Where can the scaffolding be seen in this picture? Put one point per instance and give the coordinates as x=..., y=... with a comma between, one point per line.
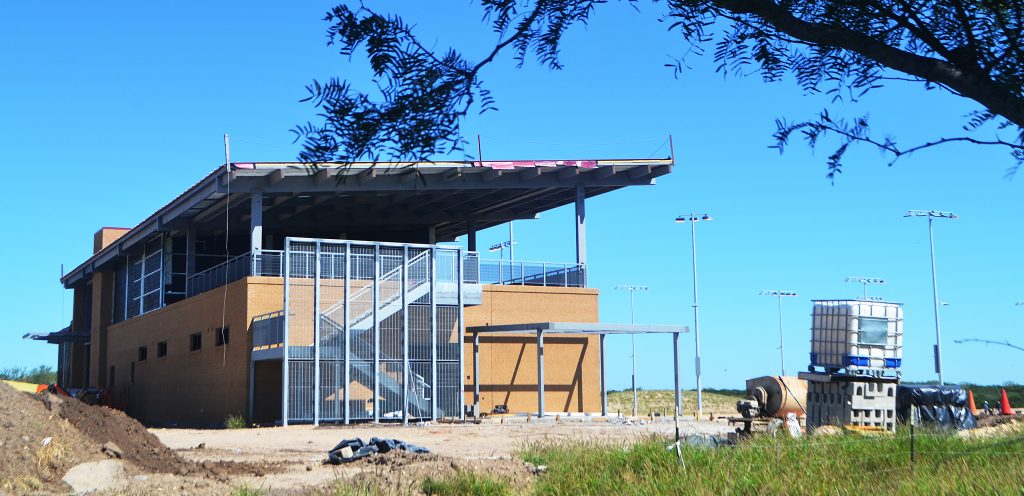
x=373, y=331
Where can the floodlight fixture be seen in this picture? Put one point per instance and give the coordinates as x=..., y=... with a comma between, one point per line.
x=931, y=214
x=693, y=218
x=865, y=281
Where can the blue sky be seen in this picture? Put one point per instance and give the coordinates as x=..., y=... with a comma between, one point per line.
x=109, y=110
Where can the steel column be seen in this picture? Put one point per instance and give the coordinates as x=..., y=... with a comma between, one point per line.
x=316, y=335
x=476, y=374
x=405, y=335
x=284, y=333
x=581, y=226
x=190, y=253
x=462, y=337
x=540, y=373
x=348, y=341
x=675, y=372
x=471, y=234
x=604, y=383
x=255, y=222
x=376, y=333
x=433, y=334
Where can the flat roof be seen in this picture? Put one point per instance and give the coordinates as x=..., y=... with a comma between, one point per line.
x=577, y=328
x=440, y=195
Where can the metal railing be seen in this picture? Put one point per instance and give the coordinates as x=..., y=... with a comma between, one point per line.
x=268, y=329
x=522, y=273
x=261, y=263
x=269, y=263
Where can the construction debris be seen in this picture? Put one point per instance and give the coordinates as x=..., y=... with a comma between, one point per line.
x=351, y=450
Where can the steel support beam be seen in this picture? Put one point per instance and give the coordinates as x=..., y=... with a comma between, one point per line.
x=581, y=226
x=675, y=372
x=604, y=383
x=284, y=333
x=405, y=336
x=471, y=234
x=376, y=334
x=348, y=338
x=316, y=335
x=255, y=222
x=476, y=374
x=540, y=373
x=433, y=334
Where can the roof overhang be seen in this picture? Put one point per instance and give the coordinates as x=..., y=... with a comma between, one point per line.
x=576, y=328
x=445, y=196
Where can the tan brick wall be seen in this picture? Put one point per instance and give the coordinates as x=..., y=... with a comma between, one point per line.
x=508, y=364
x=105, y=236
x=188, y=387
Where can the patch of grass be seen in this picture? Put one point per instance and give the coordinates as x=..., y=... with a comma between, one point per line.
x=662, y=401
x=846, y=464
x=235, y=422
x=248, y=491
x=465, y=483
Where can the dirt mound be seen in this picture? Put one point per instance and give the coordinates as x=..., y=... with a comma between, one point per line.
x=37, y=446
x=103, y=425
x=995, y=426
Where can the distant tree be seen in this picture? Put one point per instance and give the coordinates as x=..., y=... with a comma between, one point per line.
x=841, y=48
x=42, y=374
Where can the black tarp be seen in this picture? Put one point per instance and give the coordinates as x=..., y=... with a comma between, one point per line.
x=944, y=406
x=353, y=449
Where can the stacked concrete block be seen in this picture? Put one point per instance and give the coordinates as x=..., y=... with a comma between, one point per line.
x=856, y=355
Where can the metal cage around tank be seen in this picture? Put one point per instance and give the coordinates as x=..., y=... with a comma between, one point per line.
x=373, y=331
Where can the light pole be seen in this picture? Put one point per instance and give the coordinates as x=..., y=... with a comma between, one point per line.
x=693, y=219
x=782, y=342
x=865, y=281
x=932, y=215
x=632, y=320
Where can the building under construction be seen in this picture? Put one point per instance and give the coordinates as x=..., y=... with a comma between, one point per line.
x=286, y=293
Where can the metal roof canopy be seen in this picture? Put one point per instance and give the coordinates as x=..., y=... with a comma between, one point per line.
x=446, y=196
x=542, y=328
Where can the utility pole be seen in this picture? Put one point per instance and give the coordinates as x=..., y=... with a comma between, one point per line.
x=632, y=320
x=782, y=342
x=693, y=219
x=932, y=215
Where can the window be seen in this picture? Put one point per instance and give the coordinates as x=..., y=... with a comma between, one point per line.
x=195, y=342
x=873, y=330
x=161, y=349
x=221, y=336
x=143, y=279
x=143, y=353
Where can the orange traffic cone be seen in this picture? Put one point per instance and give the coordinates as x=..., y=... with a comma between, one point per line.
x=970, y=403
x=1004, y=405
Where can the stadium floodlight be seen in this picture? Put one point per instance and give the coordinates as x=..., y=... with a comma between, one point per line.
x=932, y=215
x=693, y=219
x=782, y=342
x=632, y=320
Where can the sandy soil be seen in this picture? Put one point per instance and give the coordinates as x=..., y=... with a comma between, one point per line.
x=487, y=447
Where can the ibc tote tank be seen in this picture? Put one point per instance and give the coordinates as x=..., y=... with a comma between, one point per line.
x=857, y=335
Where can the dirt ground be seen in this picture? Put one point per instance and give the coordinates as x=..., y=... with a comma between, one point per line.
x=487, y=447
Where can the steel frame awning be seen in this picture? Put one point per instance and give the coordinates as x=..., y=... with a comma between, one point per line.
x=577, y=328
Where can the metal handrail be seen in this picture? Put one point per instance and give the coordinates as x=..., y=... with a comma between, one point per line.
x=528, y=273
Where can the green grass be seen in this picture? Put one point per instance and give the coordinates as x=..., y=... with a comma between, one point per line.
x=465, y=483
x=850, y=464
x=662, y=401
x=235, y=422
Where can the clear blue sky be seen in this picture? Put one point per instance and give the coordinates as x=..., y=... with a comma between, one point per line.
x=108, y=110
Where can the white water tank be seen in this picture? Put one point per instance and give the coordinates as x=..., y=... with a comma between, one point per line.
x=857, y=335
